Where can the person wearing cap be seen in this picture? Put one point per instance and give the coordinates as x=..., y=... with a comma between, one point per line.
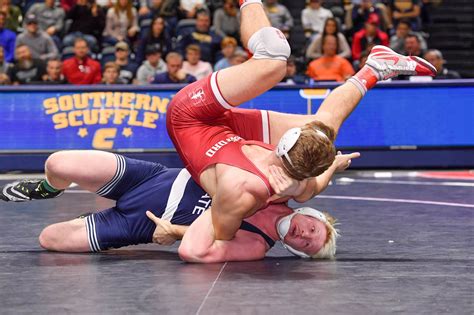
x=50, y=18
x=40, y=43
x=82, y=69
x=128, y=68
x=152, y=66
x=368, y=37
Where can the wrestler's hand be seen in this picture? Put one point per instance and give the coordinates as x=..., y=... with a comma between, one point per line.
x=284, y=185
x=163, y=234
x=343, y=161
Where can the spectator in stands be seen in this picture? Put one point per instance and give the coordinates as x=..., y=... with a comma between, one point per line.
x=128, y=68
x=190, y=8
x=435, y=57
x=40, y=43
x=397, y=41
x=331, y=27
x=292, y=76
x=227, y=20
x=194, y=65
x=167, y=9
x=279, y=16
x=7, y=39
x=88, y=21
x=4, y=68
x=81, y=69
x=54, y=73
x=26, y=69
x=67, y=5
x=175, y=73
x=50, y=18
x=330, y=67
x=228, y=45
x=207, y=39
x=368, y=37
x=152, y=66
x=13, y=15
x=121, y=23
x=313, y=17
x=360, y=15
x=413, y=46
x=111, y=74
x=238, y=57
x=156, y=37
x=406, y=9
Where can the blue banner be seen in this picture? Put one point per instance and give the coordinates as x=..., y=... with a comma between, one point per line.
x=135, y=118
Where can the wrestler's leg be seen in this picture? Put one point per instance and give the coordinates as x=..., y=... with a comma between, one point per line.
x=89, y=169
x=244, y=82
x=70, y=236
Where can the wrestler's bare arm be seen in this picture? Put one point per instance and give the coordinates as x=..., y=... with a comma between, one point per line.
x=231, y=204
x=199, y=244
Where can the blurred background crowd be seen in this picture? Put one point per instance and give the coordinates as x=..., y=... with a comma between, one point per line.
x=180, y=41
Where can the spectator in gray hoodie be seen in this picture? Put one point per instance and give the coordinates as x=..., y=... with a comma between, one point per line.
x=152, y=66
x=40, y=43
x=50, y=18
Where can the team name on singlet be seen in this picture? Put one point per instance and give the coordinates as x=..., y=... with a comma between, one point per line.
x=203, y=204
x=219, y=145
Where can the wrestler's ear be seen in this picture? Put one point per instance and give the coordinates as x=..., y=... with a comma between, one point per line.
x=152, y=217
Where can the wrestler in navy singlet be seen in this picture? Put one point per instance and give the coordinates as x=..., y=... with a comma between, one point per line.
x=139, y=186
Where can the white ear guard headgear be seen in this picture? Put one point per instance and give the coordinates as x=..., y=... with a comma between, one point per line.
x=283, y=226
x=288, y=141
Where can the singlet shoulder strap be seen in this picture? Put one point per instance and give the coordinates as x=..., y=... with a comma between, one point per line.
x=246, y=226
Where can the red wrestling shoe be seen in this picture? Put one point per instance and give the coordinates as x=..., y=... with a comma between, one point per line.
x=388, y=64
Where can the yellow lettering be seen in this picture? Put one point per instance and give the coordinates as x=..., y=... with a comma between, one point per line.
x=109, y=99
x=51, y=105
x=127, y=99
x=60, y=121
x=103, y=138
x=143, y=101
x=105, y=114
x=120, y=114
x=91, y=117
x=117, y=99
x=72, y=118
x=149, y=119
x=66, y=103
x=132, y=121
x=159, y=105
x=97, y=97
x=81, y=101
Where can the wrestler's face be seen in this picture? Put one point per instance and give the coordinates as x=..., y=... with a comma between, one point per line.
x=306, y=234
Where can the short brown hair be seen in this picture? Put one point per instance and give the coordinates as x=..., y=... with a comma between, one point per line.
x=193, y=47
x=113, y=65
x=313, y=153
x=228, y=41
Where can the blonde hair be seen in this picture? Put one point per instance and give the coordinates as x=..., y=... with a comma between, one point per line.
x=313, y=153
x=328, y=251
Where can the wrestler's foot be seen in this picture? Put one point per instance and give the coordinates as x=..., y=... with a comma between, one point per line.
x=388, y=64
x=383, y=63
x=27, y=190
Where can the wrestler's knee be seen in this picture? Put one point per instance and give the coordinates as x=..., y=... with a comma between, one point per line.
x=269, y=43
x=57, y=164
x=48, y=238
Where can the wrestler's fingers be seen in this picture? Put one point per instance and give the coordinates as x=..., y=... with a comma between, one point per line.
x=353, y=155
x=152, y=217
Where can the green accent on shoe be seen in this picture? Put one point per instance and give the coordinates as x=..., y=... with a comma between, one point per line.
x=44, y=184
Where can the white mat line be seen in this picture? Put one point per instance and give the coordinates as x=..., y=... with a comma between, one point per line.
x=426, y=202
x=404, y=182
x=210, y=289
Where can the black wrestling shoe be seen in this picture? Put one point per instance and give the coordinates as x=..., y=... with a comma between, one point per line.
x=27, y=190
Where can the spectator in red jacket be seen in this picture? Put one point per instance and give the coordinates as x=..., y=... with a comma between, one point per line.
x=81, y=69
x=368, y=37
